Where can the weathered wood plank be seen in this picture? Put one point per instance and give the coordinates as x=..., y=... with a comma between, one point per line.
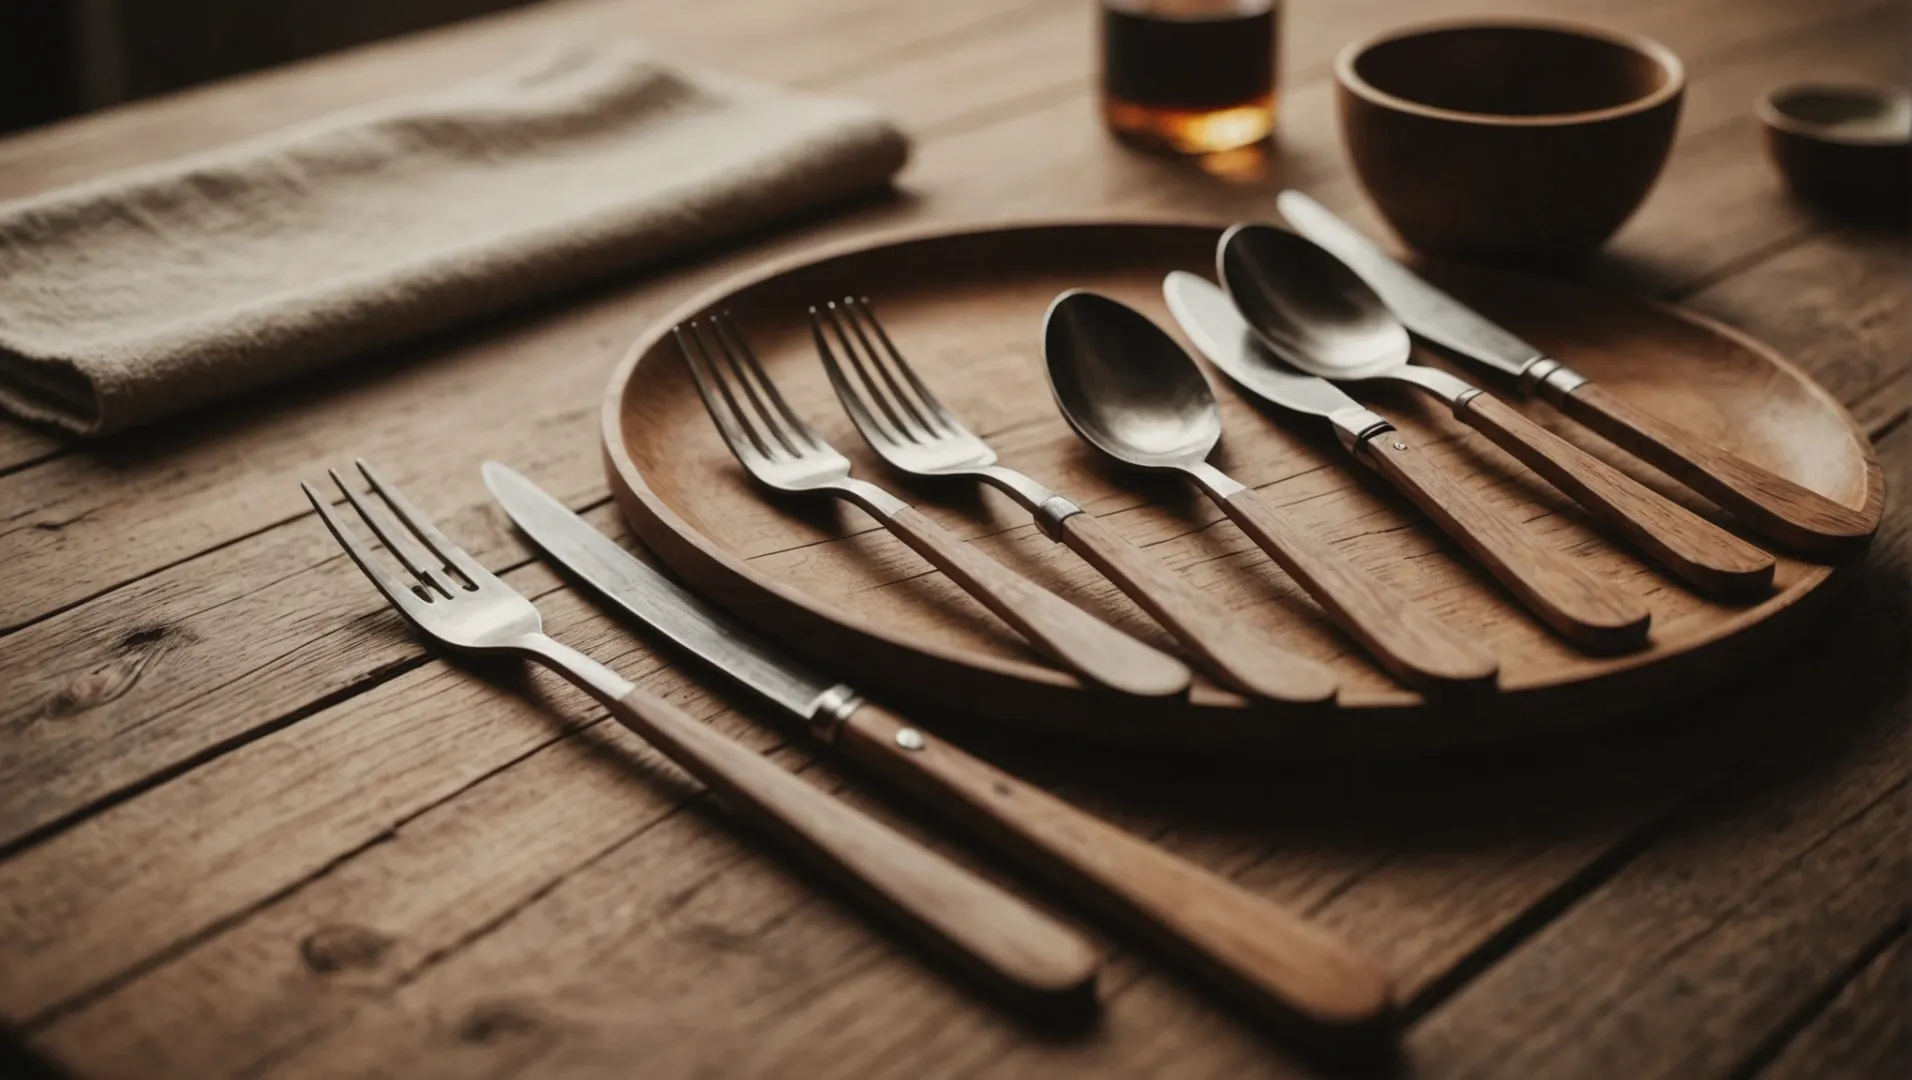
x=1863, y=1034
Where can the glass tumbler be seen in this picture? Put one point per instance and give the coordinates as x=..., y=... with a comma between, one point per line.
x=1190, y=76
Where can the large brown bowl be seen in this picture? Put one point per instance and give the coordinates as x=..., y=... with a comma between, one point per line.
x=1508, y=139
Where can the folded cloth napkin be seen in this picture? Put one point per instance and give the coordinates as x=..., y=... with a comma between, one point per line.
x=138, y=295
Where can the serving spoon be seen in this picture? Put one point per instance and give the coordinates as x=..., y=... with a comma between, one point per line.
x=1317, y=314
x=1130, y=391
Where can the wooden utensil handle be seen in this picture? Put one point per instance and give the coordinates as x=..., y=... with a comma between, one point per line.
x=1268, y=955
x=1777, y=507
x=1235, y=653
x=1410, y=643
x=1582, y=608
x=975, y=923
x=1087, y=645
x=1697, y=550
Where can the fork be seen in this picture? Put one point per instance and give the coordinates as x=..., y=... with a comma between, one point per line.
x=991, y=933
x=783, y=452
x=908, y=427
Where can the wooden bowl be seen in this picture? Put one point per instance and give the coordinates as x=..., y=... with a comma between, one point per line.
x=1508, y=139
x=1847, y=149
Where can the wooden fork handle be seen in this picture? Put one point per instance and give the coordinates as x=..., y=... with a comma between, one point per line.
x=1413, y=645
x=1266, y=954
x=1237, y=655
x=1777, y=507
x=1702, y=553
x=1578, y=605
x=980, y=926
x=1085, y=644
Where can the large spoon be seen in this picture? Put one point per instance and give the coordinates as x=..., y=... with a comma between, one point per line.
x=1131, y=392
x=1316, y=313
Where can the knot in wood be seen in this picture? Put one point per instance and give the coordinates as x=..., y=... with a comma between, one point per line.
x=492, y=1021
x=331, y=949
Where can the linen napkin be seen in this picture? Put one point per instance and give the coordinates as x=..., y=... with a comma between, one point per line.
x=142, y=294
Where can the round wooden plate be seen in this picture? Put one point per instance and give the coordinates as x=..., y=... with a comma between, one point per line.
x=826, y=582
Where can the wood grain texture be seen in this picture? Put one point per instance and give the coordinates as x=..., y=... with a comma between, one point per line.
x=1864, y=1032
x=1788, y=512
x=1402, y=638
x=1285, y=968
x=1700, y=552
x=1010, y=946
x=1086, y=645
x=406, y=870
x=1239, y=657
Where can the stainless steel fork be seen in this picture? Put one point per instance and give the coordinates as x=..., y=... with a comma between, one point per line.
x=781, y=451
x=446, y=594
x=906, y=424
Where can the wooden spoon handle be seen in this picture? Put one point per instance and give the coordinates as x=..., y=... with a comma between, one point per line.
x=1238, y=655
x=1777, y=507
x=1581, y=607
x=1697, y=550
x=1085, y=644
x=987, y=930
x=1269, y=956
x=1413, y=645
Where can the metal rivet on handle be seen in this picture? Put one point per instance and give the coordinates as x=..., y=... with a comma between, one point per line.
x=910, y=739
x=1399, y=445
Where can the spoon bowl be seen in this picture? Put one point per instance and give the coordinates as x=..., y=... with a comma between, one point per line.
x=1126, y=386
x=1313, y=310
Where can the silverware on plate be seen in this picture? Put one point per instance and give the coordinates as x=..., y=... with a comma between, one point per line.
x=451, y=598
x=1319, y=316
x=1775, y=506
x=1130, y=391
x=774, y=445
x=908, y=427
x=1270, y=958
x=1576, y=603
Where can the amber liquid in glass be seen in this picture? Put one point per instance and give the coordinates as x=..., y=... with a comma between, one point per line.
x=1189, y=76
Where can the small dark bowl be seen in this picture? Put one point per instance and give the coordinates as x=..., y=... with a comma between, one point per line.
x=1845, y=149
x=1512, y=139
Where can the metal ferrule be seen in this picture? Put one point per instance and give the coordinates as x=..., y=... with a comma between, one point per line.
x=1356, y=426
x=1052, y=513
x=832, y=710
x=1549, y=379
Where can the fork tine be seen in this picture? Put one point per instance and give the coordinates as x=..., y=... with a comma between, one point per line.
x=766, y=419
x=900, y=429
x=399, y=595
x=862, y=307
x=475, y=575
x=920, y=414
x=872, y=426
x=727, y=330
x=402, y=546
x=732, y=423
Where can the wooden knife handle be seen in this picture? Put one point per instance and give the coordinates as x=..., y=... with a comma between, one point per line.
x=1580, y=606
x=1772, y=504
x=1236, y=654
x=1269, y=956
x=980, y=926
x=1413, y=645
x=1085, y=644
x=1702, y=553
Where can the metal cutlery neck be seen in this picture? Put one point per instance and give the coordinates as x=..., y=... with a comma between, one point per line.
x=875, y=500
x=590, y=676
x=1050, y=509
x=1217, y=483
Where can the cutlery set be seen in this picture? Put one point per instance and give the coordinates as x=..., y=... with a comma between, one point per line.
x=1292, y=316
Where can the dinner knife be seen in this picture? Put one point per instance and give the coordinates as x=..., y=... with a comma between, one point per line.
x=1579, y=605
x=1775, y=506
x=1266, y=955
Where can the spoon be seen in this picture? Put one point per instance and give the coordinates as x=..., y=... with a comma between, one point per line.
x=1317, y=314
x=1130, y=391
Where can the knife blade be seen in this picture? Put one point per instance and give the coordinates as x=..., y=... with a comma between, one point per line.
x=661, y=603
x=1256, y=949
x=1209, y=318
x=1424, y=309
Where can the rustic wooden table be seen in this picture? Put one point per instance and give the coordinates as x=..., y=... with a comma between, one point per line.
x=249, y=825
